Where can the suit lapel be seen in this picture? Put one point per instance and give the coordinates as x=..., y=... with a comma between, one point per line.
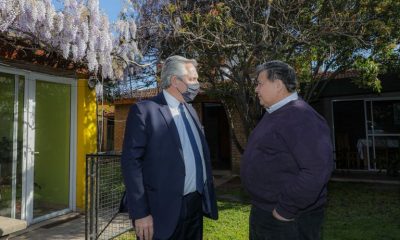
x=193, y=114
x=166, y=113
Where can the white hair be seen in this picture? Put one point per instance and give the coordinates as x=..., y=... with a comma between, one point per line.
x=174, y=66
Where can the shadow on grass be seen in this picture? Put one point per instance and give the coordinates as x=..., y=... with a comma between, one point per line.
x=226, y=205
x=232, y=191
x=355, y=211
x=362, y=211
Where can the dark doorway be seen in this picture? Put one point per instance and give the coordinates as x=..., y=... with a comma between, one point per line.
x=217, y=134
x=349, y=125
x=110, y=134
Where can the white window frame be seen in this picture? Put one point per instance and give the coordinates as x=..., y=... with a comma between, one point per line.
x=365, y=100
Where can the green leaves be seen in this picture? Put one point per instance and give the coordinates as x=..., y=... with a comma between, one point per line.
x=321, y=39
x=368, y=71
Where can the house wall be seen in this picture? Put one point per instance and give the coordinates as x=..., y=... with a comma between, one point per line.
x=121, y=113
x=86, y=136
x=241, y=137
x=122, y=110
x=324, y=107
x=108, y=113
x=338, y=90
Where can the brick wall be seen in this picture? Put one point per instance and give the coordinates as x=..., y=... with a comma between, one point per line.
x=239, y=130
x=240, y=134
x=121, y=113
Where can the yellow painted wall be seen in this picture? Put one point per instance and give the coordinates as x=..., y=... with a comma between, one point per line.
x=86, y=136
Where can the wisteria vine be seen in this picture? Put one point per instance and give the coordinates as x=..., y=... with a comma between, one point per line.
x=79, y=32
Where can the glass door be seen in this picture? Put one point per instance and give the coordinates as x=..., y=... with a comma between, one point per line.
x=11, y=139
x=51, y=158
x=383, y=131
x=37, y=139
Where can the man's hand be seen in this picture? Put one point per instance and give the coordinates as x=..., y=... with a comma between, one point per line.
x=144, y=228
x=279, y=217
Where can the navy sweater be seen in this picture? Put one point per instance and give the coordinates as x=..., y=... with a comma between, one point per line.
x=288, y=160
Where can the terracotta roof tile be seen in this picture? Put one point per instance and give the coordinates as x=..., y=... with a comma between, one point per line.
x=132, y=97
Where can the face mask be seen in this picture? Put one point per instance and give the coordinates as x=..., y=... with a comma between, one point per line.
x=191, y=91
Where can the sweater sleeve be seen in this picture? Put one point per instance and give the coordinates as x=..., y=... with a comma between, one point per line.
x=310, y=144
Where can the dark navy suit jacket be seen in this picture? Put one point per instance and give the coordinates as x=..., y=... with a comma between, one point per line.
x=153, y=167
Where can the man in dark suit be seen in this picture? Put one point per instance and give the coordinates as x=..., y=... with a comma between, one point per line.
x=165, y=160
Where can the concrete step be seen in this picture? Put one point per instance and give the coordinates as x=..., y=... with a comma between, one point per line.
x=42, y=230
x=10, y=225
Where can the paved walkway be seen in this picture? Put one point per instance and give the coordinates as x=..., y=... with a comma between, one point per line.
x=69, y=226
x=364, y=177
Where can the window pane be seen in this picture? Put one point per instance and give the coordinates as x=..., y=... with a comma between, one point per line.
x=386, y=117
x=384, y=152
x=10, y=170
x=52, y=148
x=6, y=141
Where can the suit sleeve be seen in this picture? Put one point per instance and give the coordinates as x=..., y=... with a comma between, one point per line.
x=311, y=147
x=133, y=150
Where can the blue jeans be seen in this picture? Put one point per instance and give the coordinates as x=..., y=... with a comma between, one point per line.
x=264, y=226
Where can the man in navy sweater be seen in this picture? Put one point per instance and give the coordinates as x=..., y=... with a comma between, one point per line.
x=287, y=162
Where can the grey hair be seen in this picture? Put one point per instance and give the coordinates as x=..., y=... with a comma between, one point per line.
x=174, y=66
x=278, y=70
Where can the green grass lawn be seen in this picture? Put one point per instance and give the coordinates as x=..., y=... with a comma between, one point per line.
x=362, y=211
x=232, y=223
x=355, y=211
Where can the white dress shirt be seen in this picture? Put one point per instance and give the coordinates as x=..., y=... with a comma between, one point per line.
x=188, y=156
x=283, y=102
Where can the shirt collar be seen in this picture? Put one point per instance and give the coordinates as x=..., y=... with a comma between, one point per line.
x=171, y=100
x=282, y=102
